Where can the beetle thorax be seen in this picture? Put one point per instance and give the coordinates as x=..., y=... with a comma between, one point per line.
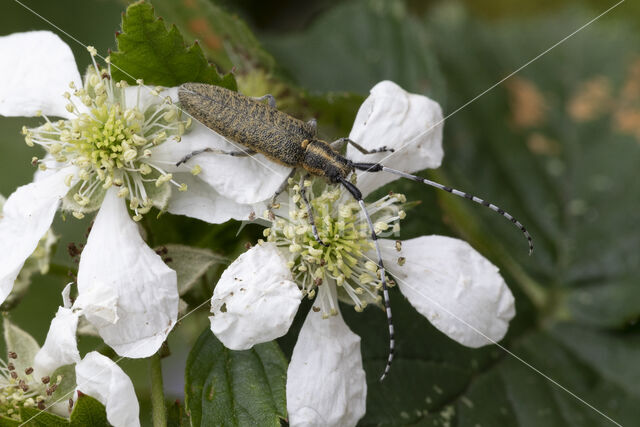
x=322, y=160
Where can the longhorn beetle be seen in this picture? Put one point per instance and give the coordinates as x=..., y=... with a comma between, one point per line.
x=291, y=142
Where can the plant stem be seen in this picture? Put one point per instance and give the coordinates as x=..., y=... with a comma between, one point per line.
x=158, y=409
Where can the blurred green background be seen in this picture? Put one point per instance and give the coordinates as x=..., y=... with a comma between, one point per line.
x=557, y=145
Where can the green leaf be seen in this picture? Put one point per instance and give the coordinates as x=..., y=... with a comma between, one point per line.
x=87, y=411
x=176, y=416
x=37, y=418
x=21, y=343
x=148, y=51
x=225, y=38
x=357, y=44
x=9, y=422
x=189, y=263
x=225, y=387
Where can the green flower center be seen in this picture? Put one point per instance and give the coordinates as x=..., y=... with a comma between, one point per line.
x=111, y=139
x=105, y=138
x=342, y=226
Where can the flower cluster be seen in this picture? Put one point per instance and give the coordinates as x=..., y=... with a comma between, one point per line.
x=114, y=149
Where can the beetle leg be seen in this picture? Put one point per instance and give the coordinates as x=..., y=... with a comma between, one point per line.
x=383, y=278
x=339, y=143
x=303, y=194
x=214, y=151
x=270, y=99
x=313, y=124
x=273, y=205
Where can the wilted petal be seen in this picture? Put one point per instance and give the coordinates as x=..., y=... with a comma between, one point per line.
x=99, y=377
x=37, y=67
x=66, y=296
x=244, y=180
x=453, y=286
x=255, y=299
x=61, y=347
x=117, y=262
x=326, y=384
x=201, y=201
x=100, y=303
x=394, y=118
x=26, y=216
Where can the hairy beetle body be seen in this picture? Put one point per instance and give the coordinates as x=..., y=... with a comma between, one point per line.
x=263, y=128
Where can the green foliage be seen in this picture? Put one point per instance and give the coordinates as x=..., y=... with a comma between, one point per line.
x=146, y=50
x=9, y=422
x=225, y=387
x=226, y=39
x=37, y=418
x=190, y=264
x=87, y=411
x=176, y=416
x=356, y=45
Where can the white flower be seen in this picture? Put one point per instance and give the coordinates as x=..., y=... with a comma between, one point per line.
x=115, y=149
x=96, y=375
x=445, y=279
x=36, y=377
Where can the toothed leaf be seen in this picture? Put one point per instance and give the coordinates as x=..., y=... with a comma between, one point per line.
x=148, y=51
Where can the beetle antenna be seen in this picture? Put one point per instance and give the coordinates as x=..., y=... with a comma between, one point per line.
x=387, y=304
x=376, y=167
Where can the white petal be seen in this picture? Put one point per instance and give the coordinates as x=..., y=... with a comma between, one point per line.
x=99, y=377
x=326, y=383
x=255, y=299
x=26, y=217
x=61, y=347
x=242, y=179
x=66, y=296
x=203, y=202
x=392, y=117
x=51, y=168
x=100, y=303
x=37, y=67
x=453, y=286
x=143, y=96
x=117, y=263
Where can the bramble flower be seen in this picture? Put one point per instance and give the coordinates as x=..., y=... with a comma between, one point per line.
x=445, y=279
x=96, y=157
x=27, y=382
x=114, y=151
